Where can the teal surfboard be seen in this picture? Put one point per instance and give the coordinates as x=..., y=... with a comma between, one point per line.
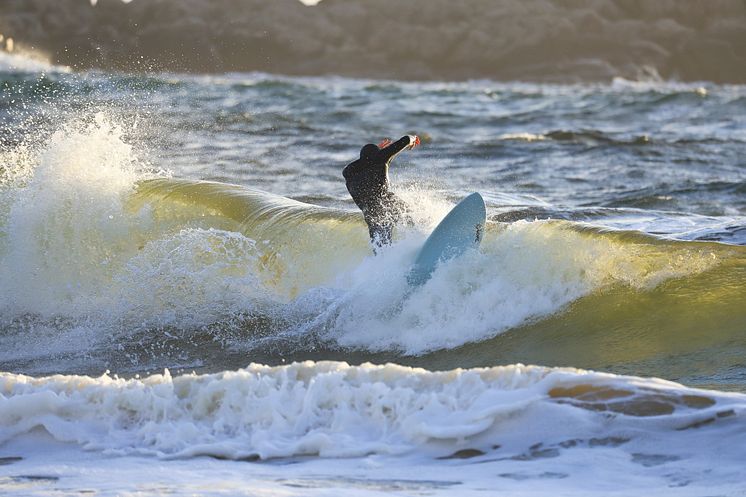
x=460, y=230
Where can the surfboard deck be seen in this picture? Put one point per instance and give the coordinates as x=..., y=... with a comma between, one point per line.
x=461, y=229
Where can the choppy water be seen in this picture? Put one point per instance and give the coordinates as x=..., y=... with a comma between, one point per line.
x=202, y=224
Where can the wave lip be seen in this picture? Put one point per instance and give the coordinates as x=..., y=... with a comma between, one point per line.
x=546, y=40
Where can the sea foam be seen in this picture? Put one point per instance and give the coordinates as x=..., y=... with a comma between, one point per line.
x=332, y=409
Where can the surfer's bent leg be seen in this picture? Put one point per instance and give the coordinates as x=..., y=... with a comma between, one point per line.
x=380, y=235
x=382, y=219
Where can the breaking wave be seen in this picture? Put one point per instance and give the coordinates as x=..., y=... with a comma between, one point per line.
x=97, y=247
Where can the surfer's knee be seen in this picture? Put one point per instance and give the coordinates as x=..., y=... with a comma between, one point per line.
x=380, y=235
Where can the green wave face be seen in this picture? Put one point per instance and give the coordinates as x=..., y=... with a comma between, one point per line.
x=683, y=327
x=302, y=245
x=568, y=294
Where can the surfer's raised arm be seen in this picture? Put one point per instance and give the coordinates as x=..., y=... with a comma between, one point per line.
x=390, y=150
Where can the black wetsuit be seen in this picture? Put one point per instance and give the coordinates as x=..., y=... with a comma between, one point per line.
x=367, y=181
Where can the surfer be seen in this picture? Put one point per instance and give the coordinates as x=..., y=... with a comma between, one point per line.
x=367, y=180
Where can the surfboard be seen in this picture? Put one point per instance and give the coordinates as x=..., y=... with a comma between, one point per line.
x=461, y=229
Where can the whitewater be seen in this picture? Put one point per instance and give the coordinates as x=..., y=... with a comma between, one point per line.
x=190, y=304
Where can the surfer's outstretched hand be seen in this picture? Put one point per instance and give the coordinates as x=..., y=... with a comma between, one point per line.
x=414, y=141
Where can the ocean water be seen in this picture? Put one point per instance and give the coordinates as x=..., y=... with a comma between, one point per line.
x=189, y=303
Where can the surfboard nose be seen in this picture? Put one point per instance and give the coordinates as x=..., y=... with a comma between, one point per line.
x=461, y=229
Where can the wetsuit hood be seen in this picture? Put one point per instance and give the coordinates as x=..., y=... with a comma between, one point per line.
x=369, y=151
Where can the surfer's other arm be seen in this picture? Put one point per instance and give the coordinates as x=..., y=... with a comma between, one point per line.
x=390, y=150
